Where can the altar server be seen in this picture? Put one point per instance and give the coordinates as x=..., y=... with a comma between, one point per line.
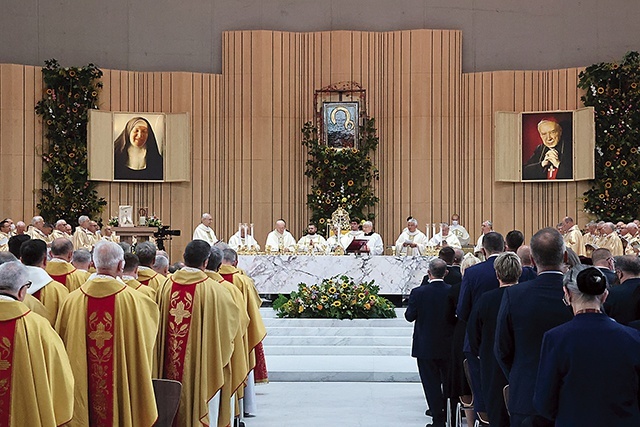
x=312, y=241
x=374, y=245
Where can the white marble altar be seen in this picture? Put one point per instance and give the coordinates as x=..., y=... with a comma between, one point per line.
x=395, y=275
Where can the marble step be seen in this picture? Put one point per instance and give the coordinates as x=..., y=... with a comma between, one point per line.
x=340, y=368
x=352, y=331
x=325, y=350
x=347, y=340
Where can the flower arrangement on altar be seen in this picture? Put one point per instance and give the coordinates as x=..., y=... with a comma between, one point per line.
x=114, y=221
x=338, y=297
x=153, y=221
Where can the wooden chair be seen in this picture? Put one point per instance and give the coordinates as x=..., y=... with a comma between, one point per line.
x=167, y=394
x=483, y=418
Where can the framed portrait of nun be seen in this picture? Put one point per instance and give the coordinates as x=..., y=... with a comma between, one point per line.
x=138, y=146
x=340, y=124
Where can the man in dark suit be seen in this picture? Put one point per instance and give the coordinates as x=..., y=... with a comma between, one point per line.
x=527, y=311
x=481, y=329
x=448, y=255
x=604, y=261
x=622, y=300
x=432, y=336
x=477, y=280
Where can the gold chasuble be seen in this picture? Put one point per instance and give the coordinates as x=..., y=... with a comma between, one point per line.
x=133, y=283
x=66, y=274
x=37, y=307
x=149, y=277
x=199, y=321
x=110, y=330
x=239, y=365
x=36, y=382
x=52, y=296
x=256, y=330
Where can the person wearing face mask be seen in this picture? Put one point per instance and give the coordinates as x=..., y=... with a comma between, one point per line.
x=461, y=233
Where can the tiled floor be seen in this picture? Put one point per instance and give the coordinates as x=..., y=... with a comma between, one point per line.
x=282, y=404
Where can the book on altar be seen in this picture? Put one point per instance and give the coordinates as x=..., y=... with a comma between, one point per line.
x=356, y=245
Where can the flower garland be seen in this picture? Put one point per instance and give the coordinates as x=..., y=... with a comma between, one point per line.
x=338, y=297
x=341, y=178
x=70, y=93
x=613, y=89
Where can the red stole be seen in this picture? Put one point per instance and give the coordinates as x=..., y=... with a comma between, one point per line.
x=7, y=334
x=62, y=278
x=37, y=294
x=228, y=277
x=100, y=343
x=180, y=310
x=146, y=282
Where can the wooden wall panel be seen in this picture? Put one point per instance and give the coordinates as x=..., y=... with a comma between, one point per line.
x=435, y=126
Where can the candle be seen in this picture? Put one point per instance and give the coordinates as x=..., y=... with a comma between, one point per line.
x=433, y=227
x=252, y=238
x=240, y=230
x=426, y=228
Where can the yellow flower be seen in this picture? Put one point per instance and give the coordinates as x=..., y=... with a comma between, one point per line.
x=612, y=147
x=634, y=150
x=332, y=290
x=318, y=192
x=600, y=90
x=607, y=163
x=623, y=162
x=607, y=185
x=350, y=182
x=372, y=297
x=361, y=295
x=337, y=303
x=326, y=161
x=321, y=221
x=300, y=309
x=601, y=196
x=324, y=298
x=634, y=85
x=625, y=182
x=344, y=200
x=332, y=184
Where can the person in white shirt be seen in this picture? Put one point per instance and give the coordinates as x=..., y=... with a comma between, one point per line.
x=374, y=246
x=487, y=226
x=241, y=238
x=354, y=233
x=312, y=241
x=204, y=232
x=445, y=238
x=411, y=241
x=459, y=230
x=280, y=239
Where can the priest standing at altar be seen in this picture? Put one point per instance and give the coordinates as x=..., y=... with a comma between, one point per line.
x=374, y=245
x=204, y=232
x=241, y=238
x=280, y=239
x=312, y=241
x=411, y=241
x=445, y=238
x=109, y=330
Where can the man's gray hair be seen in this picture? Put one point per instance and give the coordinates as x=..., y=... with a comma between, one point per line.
x=82, y=219
x=508, y=267
x=81, y=255
x=61, y=246
x=6, y=256
x=36, y=219
x=107, y=254
x=161, y=262
x=215, y=258
x=205, y=216
x=61, y=222
x=412, y=221
x=437, y=268
x=369, y=223
x=13, y=276
x=229, y=255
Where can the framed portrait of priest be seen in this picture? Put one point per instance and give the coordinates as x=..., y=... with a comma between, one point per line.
x=551, y=146
x=138, y=147
x=340, y=124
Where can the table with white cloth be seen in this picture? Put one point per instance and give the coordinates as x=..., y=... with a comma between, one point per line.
x=281, y=274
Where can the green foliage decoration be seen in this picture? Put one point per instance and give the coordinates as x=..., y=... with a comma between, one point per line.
x=341, y=177
x=338, y=297
x=613, y=89
x=69, y=94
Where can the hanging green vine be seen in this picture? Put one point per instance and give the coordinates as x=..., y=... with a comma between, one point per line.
x=70, y=93
x=613, y=89
x=341, y=177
